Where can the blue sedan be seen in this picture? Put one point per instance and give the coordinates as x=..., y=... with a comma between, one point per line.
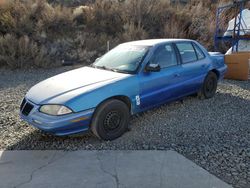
x=131, y=78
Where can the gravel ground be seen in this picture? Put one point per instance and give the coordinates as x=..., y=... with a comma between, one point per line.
x=214, y=133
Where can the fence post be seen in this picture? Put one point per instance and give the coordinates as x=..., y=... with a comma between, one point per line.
x=108, y=46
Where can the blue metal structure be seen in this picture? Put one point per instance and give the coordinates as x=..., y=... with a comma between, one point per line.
x=234, y=40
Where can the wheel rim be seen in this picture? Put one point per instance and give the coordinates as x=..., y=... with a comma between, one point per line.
x=210, y=86
x=112, y=121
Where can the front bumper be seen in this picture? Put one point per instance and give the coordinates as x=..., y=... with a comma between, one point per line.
x=59, y=125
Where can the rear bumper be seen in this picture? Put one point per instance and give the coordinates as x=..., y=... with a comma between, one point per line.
x=59, y=125
x=222, y=71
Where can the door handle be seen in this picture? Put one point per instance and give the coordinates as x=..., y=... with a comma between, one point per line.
x=203, y=66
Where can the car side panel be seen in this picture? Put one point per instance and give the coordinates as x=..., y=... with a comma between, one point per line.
x=157, y=87
x=217, y=61
x=156, y=90
x=193, y=75
x=128, y=87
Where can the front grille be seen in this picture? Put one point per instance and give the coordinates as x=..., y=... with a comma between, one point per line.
x=27, y=108
x=22, y=104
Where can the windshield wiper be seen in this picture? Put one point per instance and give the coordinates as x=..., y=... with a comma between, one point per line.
x=110, y=69
x=100, y=67
x=121, y=71
x=105, y=68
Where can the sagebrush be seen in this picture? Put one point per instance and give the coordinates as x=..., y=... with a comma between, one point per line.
x=35, y=33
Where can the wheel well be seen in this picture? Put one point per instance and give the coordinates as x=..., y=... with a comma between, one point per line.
x=216, y=72
x=124, y=99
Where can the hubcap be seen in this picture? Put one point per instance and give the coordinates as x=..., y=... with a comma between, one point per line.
x=112, y=121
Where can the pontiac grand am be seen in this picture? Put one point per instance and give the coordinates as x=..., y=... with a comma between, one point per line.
x=131, y=78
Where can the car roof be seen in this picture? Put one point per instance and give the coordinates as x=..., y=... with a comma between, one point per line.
x=153, y=42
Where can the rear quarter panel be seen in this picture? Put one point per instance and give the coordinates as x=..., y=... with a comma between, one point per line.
x=218, y=63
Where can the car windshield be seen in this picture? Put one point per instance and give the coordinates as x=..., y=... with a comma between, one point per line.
x=124, y=58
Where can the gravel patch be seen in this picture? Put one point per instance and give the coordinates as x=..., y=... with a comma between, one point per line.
x=214, y=133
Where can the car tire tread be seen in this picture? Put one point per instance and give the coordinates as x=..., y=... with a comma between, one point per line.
x=101, y=111
x=203, y=94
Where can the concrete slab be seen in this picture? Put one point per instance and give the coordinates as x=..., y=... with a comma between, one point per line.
x=107, y=169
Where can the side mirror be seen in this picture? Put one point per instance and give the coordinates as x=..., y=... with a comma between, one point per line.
x=153, y=68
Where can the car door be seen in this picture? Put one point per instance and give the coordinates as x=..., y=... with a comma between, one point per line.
x=194, y=66
x=159, y=87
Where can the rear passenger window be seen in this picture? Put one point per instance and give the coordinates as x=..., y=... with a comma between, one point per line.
x=199, y=52
x=187, y=52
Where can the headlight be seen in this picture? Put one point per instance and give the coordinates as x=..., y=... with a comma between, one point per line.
x=55, y=110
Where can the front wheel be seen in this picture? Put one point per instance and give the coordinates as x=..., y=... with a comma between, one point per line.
x=111, y=120
x=209, y=86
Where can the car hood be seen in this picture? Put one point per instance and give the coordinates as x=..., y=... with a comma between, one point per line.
x=82, y=79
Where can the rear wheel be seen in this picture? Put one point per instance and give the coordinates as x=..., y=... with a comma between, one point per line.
x=209, y=87
x=111, y=120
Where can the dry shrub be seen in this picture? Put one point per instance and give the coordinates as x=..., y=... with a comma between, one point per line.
x=133, y=32
x=200, y=23
x=31, y=17
x=82, y=14
x=151, y=15
x=22, y=53
x=52, y=20
x=177, y=26
x=84, y=46
x=105, y=18
x=32, y=32
x=13, y=18
x=7, y=22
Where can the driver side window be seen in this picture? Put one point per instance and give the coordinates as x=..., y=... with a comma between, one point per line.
x=164, y=56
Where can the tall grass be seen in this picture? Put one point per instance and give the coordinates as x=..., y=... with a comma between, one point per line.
x=35, y=33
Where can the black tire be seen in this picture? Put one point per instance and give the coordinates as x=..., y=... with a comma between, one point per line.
x=209, y=86
x=110, y=120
